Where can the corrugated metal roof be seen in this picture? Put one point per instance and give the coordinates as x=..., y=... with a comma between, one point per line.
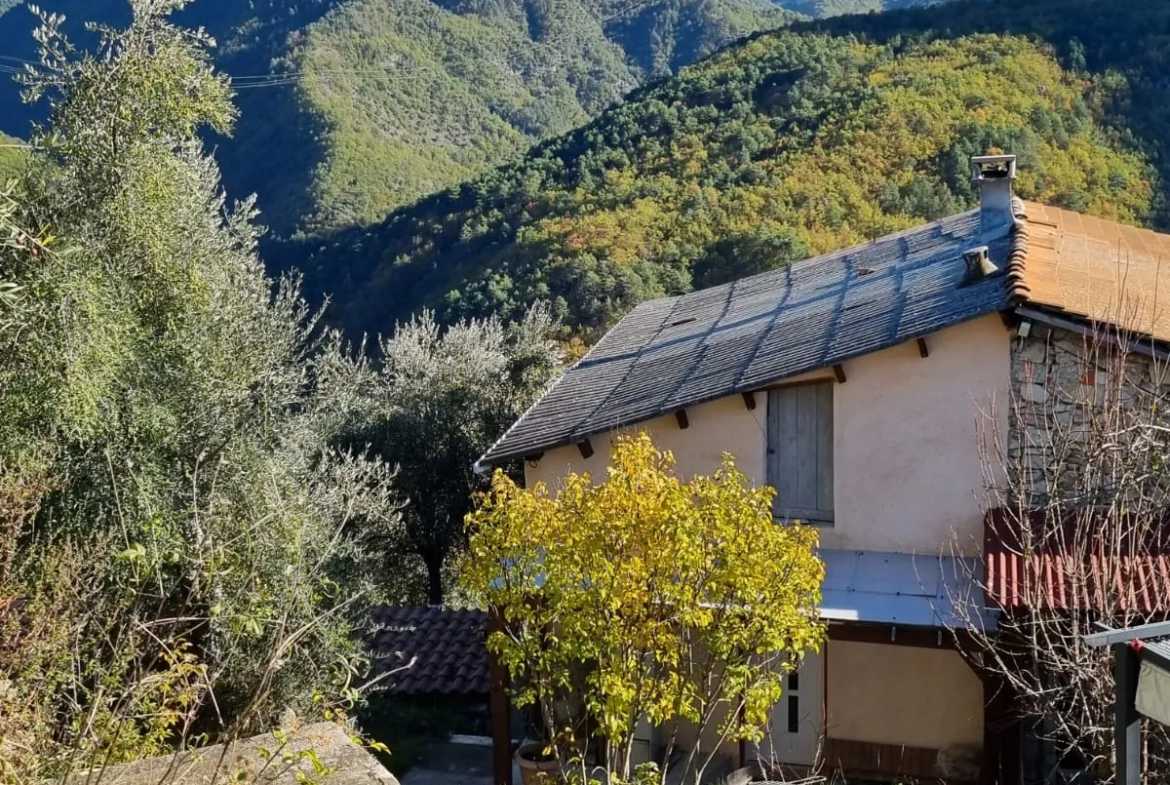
x=1058, y=568
x=883, y=587
x=904, y=589
x=677, y=352
x=1161, y=646
x=1096, y=269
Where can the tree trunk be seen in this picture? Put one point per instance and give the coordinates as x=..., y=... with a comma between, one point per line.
x=434, y=580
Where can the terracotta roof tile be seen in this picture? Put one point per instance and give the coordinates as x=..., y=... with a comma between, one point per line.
x=1095, y=269
x=1058, y=570
x=443, y=650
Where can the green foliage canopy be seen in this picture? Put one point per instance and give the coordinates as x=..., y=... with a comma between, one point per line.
x=790, y=144
x=439, y=400
x=12, y=158
x=187, y=544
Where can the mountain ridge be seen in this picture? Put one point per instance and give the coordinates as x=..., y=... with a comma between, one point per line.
x=350, y=109
x=787, y=144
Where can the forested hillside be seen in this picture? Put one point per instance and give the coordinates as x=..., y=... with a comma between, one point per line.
x=415, y=96
x=794, y=143
x=351, y=108
x=11, y=158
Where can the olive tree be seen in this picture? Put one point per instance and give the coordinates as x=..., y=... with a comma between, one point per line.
x=12, y=238
x=646, y=595
x=187, y=550
x=442, y=396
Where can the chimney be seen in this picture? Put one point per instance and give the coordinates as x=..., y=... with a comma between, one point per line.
x=994, y=174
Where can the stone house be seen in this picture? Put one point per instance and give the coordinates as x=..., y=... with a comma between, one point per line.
x=872, y=388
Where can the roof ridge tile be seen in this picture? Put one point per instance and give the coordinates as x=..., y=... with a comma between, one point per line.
x=1018, y=290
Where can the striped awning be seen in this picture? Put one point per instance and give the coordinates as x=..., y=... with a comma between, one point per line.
x=1081, y=562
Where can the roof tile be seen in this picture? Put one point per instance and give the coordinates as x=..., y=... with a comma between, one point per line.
x=1099, y=270
x=438, y=649
x=1058, y=569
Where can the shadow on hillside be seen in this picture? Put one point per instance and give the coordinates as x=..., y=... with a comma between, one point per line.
x=272, y=122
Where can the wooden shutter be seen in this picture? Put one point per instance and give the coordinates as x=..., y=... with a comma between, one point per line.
x=800, y=450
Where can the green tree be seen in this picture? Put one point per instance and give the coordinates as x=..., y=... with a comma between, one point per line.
x=442, y=397
x=12, y=238
x=192, y=549
x=682, y=599
x=791, y=143
x=12, y=158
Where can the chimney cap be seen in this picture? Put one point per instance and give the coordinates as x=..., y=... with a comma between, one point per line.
x=993, y=167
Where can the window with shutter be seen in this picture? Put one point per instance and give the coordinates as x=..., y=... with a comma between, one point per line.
x=800, y=451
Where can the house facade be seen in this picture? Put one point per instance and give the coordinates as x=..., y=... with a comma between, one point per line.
x=875, y=388
x=900, y=465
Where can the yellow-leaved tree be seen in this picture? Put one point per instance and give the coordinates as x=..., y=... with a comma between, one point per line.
x=644, y=596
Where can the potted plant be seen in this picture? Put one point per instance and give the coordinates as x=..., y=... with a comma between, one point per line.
x=538, y=763
x=537, y=760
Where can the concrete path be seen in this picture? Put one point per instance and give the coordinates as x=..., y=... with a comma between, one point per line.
x=451, y=763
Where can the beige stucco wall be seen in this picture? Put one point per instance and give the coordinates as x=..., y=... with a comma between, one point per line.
x=725, y=425
x=902, y=695
x=907, y=473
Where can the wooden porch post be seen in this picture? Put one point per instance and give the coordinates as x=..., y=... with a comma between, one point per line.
x=1001, y=732
x=501, y=711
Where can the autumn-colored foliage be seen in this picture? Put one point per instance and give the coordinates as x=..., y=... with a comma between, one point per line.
x=785, y=146
x=684, y=597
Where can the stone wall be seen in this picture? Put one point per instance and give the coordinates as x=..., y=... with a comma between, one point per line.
x=1070, y=394
x=320, y=753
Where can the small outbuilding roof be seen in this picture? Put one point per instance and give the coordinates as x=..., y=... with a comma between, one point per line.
x=434, y=651
x=676, y=352
x=903, y=589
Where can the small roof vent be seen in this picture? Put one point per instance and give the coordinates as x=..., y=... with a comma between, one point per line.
x=979, y=265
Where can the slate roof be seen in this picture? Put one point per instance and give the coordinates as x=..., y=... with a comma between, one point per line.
x=676, y=352
x=441, y=650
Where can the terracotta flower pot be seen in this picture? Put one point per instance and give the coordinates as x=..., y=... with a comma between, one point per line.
x=534, y=771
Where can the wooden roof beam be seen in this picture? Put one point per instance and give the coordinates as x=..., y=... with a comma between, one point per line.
x=586, y=448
